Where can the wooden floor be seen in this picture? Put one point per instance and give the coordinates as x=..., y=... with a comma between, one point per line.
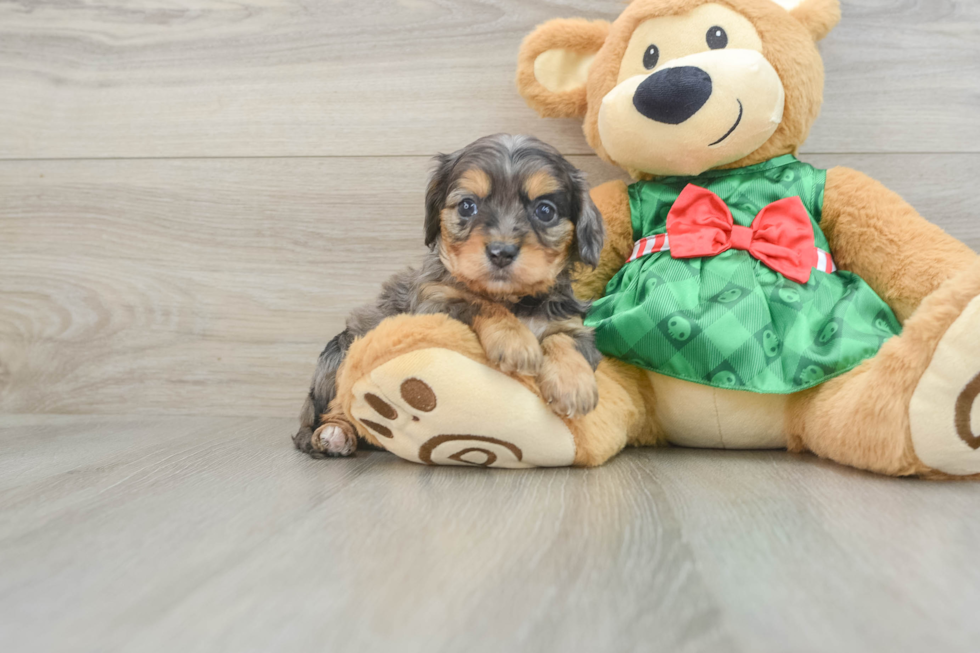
x=194, y=194
x=207, y=534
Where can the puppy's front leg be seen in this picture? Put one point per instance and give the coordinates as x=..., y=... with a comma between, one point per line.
x=567, y=376
x=509, y=344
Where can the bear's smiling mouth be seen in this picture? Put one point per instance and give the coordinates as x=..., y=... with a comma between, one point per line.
x=741, y=111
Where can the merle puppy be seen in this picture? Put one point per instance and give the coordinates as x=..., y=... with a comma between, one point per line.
x=506, y=220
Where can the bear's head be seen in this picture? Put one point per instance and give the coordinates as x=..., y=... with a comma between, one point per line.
x=678, y=87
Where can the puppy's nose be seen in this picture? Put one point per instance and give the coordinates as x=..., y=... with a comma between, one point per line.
x=673, y=95
x=502, y=254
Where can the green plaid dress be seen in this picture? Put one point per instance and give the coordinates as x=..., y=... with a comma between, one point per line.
x=729, y=321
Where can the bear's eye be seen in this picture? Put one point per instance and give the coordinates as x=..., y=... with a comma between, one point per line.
x=545, y=212
x=651, y=57
x=467, y=208
x=717, y=38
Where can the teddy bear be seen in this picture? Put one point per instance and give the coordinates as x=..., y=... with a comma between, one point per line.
x=743, y=299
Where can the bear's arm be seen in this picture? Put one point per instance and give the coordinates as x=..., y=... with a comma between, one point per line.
x=613, y=201
x=877, y=235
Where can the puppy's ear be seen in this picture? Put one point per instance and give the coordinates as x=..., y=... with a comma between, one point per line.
x=435, y=196
x=590, y=233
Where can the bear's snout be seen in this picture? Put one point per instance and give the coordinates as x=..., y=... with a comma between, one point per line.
x=673, y=95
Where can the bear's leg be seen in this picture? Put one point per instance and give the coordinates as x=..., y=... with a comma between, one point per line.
x=421, y=387
x=914, y=408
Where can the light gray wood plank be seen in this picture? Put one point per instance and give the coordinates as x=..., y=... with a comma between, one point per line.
x=184, y=269
x=210, y=286
x=374, y=77
x=804, y=550
x=878, y=99
x=211, y=534
x=208, y=535
x=940, y=187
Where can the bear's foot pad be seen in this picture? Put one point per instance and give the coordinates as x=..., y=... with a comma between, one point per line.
x=438, y=407
x=944, y=414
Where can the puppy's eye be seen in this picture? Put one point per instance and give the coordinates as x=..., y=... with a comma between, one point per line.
x=717, y=38
x=545, y=212
x=467, y=208
x=651, y=57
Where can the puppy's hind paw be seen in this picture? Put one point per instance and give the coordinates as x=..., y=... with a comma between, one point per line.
x=335, y=439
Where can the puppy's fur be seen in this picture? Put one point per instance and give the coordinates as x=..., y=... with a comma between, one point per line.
x=507, y=218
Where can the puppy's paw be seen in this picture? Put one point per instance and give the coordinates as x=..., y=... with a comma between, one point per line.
x=335, y=439
x=566, y=379
x=570, y=396
x=512, y=350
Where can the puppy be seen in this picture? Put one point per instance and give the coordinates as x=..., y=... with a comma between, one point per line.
x=506, y=219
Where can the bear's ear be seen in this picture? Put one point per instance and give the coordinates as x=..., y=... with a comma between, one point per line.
x=553, y=66
x=818, y=16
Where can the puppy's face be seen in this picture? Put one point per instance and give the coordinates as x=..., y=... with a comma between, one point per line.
x=509, y=215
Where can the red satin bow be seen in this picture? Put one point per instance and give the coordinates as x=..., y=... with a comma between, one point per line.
x=781, y=236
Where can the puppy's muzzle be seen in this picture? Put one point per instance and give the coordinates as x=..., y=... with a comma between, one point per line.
x=502, y=254
x=673, y=95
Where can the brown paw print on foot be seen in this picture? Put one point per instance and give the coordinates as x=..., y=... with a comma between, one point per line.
x=475, y=450
x=437, y=407
x=944, y=414
x=415, y=392
x=968, y=414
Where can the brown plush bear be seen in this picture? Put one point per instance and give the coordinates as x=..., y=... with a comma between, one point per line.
x=745, y=299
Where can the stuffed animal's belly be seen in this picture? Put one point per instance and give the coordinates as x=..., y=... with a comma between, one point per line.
x=695, y=415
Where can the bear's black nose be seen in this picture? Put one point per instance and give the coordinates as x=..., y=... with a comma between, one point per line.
x=502, y=254
x=673, y=95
